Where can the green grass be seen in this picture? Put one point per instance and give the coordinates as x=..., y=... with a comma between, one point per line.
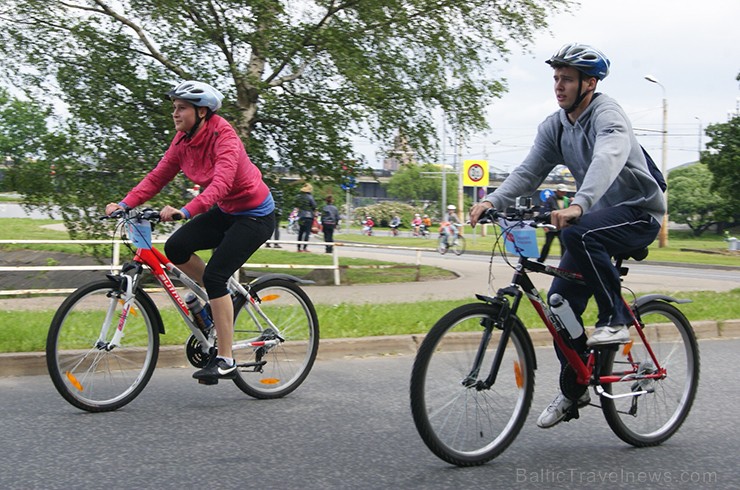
x=676, y=251
x=25, y=331
x=679, y=250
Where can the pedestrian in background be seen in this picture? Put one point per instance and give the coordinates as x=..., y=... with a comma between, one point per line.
x=329, y=220
x=557, y=200
x=277, y=196
x=306, y=209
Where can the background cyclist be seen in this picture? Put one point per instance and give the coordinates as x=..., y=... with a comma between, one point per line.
x=617, y=207
x=234, y=213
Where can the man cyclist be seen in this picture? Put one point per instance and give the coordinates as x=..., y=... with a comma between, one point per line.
x=233, y=215
x=617, y=208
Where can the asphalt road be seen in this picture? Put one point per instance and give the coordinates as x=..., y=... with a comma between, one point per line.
x=348, y=426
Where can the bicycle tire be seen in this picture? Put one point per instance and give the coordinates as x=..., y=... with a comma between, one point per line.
x=458, y=246
x=288, y=364
x=464, y=425
x=87, y=375
x=659, y=414
x=442, y=245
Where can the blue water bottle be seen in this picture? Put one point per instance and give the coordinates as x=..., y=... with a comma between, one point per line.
x=200, y=315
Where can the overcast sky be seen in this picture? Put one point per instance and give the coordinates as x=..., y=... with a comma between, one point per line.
x=692, y=47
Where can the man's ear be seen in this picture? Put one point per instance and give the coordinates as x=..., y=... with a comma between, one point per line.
x=591, y=81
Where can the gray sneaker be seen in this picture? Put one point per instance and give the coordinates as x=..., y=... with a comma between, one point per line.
x=556, y=411
x=616, y=334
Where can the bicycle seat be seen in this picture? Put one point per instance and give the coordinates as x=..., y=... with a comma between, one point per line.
x=637, y=254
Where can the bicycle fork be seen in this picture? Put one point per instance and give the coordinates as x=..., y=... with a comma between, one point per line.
x=488, y=323
x=126, y=290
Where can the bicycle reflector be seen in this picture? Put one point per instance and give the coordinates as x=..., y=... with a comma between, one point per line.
x=140, y=233
x=73, y=379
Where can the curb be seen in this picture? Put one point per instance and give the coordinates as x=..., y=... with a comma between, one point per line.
x=34, y=363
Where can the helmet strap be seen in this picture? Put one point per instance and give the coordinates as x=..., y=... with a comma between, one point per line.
x=198, y=120
x=581, y=95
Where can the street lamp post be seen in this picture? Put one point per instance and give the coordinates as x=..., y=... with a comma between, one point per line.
x=698, y=150
x=663, y=235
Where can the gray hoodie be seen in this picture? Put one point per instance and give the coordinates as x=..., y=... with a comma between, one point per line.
x=602, y=153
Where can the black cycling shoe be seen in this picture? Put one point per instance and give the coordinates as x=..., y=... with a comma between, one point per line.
x=216, y=369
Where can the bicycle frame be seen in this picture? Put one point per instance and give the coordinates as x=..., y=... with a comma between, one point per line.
x=586, y=372
x=160, y=265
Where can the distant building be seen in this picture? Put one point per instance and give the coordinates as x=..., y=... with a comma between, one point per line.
x=401, y=154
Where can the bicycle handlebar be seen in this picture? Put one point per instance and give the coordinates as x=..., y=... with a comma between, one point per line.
x=147, y=214
x=491, y=215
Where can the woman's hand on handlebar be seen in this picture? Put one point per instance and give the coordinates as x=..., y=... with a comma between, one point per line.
x=111, y=208
x=477, y=210
x=168, y=213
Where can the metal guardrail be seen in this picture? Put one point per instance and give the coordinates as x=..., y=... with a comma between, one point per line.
x=116, y=260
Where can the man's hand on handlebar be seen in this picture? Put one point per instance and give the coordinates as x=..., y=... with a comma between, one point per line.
x=563, y=218
x=477, y=210
x=168, y=213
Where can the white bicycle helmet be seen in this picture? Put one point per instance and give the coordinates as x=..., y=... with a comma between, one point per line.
x=198, y=93
x=583, y=58
x=451, y=207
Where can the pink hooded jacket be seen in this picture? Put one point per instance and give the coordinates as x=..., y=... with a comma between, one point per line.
x=216, y=160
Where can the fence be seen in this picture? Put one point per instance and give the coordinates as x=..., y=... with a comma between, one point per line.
x=116, y=260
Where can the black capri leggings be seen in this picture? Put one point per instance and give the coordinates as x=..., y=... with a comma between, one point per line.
x=235, y=239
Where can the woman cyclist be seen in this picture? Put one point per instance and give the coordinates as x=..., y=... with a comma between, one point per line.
x=234, y=213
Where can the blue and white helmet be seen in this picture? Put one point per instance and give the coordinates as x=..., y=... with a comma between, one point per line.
x=197, y=93
x=583, y=58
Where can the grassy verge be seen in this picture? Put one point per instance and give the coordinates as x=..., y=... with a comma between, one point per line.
x=25, y=331
x=682, y=247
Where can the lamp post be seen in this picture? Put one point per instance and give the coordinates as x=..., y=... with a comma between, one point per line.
x=663, y=235
x=699, y=144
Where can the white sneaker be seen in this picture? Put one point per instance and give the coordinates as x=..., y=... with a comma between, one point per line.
x=617, y=334
x=556, y=411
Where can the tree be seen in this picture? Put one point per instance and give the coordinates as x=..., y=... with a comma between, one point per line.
x=722, y=158
x=420, y=182
x=691, y=200
x=22, y=126
x=301, y=78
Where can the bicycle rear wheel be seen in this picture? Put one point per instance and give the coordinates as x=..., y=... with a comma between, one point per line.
x=460, y=421
x=85, y=370
x=458, y=246
x=650, y=419
x=288, y=363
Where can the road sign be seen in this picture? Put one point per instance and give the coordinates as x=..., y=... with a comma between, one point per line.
x=475, y=173
x=545, y=194
x=348, y=183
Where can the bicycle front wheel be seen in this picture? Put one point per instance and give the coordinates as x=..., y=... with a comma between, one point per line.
x=286, y=364
x=460, y=420
x=442, y=245
x=651, y=418
x=86, y=370
x=458, y=246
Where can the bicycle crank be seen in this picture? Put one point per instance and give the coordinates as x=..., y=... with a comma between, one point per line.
x=195, y=355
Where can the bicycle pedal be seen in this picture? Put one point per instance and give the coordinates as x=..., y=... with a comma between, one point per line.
x=208, y=382
x=572, y=413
